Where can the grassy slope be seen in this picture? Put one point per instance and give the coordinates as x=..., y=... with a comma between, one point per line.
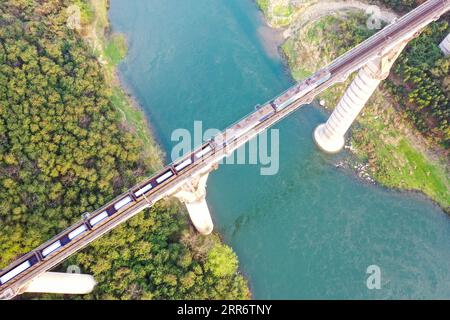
x=380, y=137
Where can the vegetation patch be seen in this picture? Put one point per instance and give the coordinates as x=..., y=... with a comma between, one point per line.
x=116, y=49
x=278, y=15
x=263, y=5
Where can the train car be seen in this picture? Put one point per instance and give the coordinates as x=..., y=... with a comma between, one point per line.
x=53, y=247
x=111, y=209
x=142, y=189
x=244, y=126
x=170, y=172
x=184, y=163
x=63, y=239
x=78, y=231
x=45, y=251
x=320, y=77
x=234, y=132
x=161, y=178
x=166, y=175
x=15, y=270
x=195, y=156
x=122, y=204
x=266, y=112
x=205, y=150
x=297, y=91
x=288, y=96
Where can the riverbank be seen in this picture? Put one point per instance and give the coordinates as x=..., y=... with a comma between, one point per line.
x=390, y=150
x=110, y=49
x=213, y=265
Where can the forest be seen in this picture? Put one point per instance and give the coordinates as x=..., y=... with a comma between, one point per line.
x=64, y=151
x=420, y=81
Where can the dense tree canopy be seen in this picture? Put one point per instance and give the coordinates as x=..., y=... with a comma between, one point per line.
x=420, y=82
x=424, y=89
x=64, y=151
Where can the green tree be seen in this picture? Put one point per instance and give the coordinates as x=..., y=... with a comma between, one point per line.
x=221, y=261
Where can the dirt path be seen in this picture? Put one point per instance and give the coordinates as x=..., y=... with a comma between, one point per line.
x=325, y=8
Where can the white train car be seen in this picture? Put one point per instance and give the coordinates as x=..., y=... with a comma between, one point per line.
x=244, y=126
x=299, y=90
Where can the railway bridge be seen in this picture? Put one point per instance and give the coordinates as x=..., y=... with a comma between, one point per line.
x=186, y=178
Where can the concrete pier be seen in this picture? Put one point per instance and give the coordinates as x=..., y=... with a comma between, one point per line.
x=193, y=195
x=330, y=136
x=445, y=45
x=61, y=283
x=200, y=216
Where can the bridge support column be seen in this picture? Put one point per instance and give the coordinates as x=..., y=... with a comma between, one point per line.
x=330, y=135
x=193, y=195
x=445, y=45
x=61, y=283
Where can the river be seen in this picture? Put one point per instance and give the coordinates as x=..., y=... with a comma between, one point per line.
x=310, y=231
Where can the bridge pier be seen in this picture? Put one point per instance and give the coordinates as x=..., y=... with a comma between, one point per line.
x=193, y=195
x=330, y=136
x=60, y=283
x=445, y=45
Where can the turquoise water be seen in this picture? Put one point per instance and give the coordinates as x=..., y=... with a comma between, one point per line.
x=310, y=231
